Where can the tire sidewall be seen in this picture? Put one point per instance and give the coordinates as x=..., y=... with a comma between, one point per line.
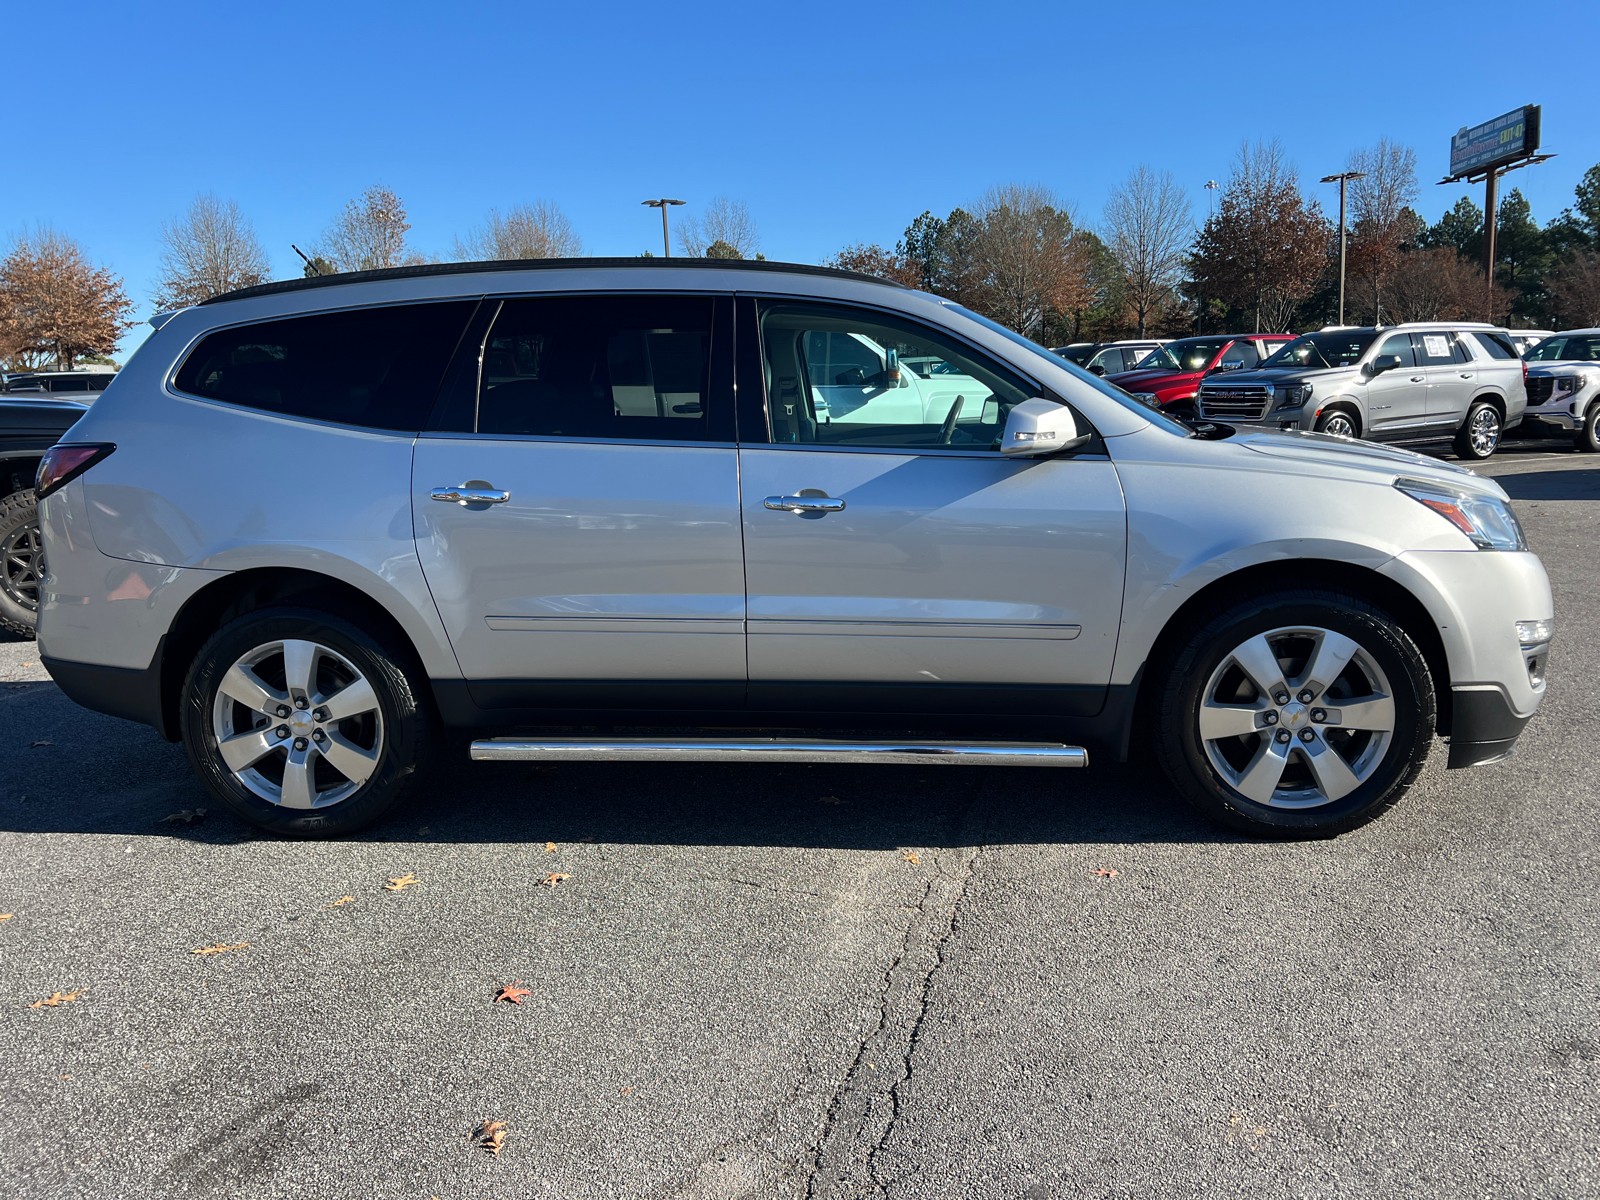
x=1412, y=691
x=1464, y=447
x=1328, y=416
x=1589, y=435
x=19, y=509
x=406, y=736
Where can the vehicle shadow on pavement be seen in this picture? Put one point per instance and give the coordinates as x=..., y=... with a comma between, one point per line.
x=65, y=770
x=1552, y=485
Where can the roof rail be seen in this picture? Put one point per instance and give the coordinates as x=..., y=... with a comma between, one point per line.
x=542, y=264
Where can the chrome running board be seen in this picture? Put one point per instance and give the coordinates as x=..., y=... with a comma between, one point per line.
x=796, y=750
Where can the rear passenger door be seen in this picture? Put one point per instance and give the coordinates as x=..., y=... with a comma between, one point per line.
x=1436, y=353
x=576, y=504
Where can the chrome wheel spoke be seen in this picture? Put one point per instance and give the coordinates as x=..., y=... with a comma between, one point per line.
x=349, y=759
x=1328, y=661
x=299, y=784
x=1260, y=779
x=1333, y=775
x=1371, y=712
x=300, y=666
x=243, y=750
x=1256, y=659
x=1227, y=720
x=350, y=701
x=242, y=684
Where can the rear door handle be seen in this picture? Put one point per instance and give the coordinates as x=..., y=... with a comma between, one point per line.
x=1419, y=379
x=474, y=491
x=808, y=502
x=1466, y=374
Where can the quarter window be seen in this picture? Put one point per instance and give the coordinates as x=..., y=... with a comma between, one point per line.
x=847, y=377
x=377, y=368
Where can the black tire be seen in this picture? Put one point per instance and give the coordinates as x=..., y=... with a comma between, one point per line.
x=21, y=558
x=1587, y=437
x=1479, y=435
x=1189, y=671
x=406, y=740
x=1339, y=422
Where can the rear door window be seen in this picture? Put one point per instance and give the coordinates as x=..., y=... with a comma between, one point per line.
x=377, y=368
x=1432, y=349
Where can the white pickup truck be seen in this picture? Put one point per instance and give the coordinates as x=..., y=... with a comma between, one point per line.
x=855, y=380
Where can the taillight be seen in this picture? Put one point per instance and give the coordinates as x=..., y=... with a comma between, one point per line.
x=64, y=462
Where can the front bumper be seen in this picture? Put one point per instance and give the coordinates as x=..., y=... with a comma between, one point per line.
x=1484, y=728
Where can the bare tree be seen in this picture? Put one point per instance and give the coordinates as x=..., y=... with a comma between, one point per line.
x=1265, y=248
x=1433, y=285
x=875, y=260
x=538, y=230
x=55, y=304
x=1575, y=287
x=1380, y=210
x=369, y=233
x=726, y=221
x=1148, y=229
x=210, y=250
x=1026, y=261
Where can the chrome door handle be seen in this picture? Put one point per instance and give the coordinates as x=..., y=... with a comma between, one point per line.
x=473, y=492
x=1419, y=379
x=804, y=504
x=1466, y=374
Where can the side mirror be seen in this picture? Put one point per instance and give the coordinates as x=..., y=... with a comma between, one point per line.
x=1038, y=427
x=891, y=368
x=1232, y=365
x=1385, y=362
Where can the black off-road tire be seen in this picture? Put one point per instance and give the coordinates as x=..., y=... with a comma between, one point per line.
x=1185, y=674
x=1463, y=444
x=410, y=730
x=20, y=561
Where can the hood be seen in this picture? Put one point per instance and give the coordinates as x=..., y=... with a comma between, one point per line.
x=1129, y=380
x=36, y=413
x=1562, y=366
x=1345, y=457
x=1277, y=375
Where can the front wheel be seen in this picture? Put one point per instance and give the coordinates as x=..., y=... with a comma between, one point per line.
x=1479, y=435
x=1587, y=438
x=1338, y=423
x=1301, y=713
x=302, y=723
x=21, y=563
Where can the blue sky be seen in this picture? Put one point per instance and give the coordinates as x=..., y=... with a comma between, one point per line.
x=834, y=122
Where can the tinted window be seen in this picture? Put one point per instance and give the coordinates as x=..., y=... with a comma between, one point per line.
x=635, y=367
x=879, y=400
x=1241, y=352
x=374, y=367
x=1398, y=344
x=1433, y=349
x=97, y=383
x=1078, y=352
x=1319, y=351
x=1460, y=351
x=79, y=384
x=1582, y=348
x=1187, y=354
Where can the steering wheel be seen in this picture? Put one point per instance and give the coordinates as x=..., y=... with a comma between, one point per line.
x=947, y=430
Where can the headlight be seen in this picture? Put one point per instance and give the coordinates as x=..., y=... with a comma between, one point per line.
x=1487, y=520
x=1568, y=383
x=1297, y=393
x=1533, y=633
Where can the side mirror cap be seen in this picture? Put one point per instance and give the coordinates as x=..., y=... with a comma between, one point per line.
x=1236, y=364
x=1385, y=362
x=1037, y=427
x=891, y=368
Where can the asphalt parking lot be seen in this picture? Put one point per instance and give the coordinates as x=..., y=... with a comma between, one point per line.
x=787, y=982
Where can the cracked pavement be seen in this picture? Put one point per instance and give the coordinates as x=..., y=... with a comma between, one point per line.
x=772, y=981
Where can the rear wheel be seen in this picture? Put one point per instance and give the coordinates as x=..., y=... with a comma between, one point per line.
x=1302, y=713
x=1479, y=435
x=1338, y=422
x=304, y=724
x=21, y=563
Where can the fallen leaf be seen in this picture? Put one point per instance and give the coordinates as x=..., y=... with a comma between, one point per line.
x=221, y=948
x=551, y=881
x=511, y=993
x=489, y=1135
x=188, y=816
x=66, y=1077
x=400, y=882
x=6, y=916
x=625, y=1091
x=341, y=902
x=829, y=800
x=1105, y=873
x=911, y=857
x=56, y=999
x=40, y=742
x=549, y=847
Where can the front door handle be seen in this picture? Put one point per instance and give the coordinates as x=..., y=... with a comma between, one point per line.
x=1466, y=374
x=474, y=491
x=809, y=502
x=1419, y=379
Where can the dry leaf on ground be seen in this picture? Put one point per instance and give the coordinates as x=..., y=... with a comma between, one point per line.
x=511, y=993
x=625, y=1091
x=221, y=948
x=1105, y=873
x=549, y=847
x=341, y=902
x=551, y=881
x=400, y=882
x=489, y=1135
x=6, y=916
x=56, y=999
x=188, y=816
x=911, y=857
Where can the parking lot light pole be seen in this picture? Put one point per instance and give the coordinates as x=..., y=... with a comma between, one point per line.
x=1342, y=179
x=666, y=244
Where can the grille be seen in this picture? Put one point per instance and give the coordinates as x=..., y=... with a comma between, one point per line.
x=1539, y=387
x=1235, y=403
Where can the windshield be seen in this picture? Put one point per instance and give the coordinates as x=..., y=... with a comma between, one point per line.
x=1319, y=351
x=1078, y=352
x=1149, y=412
x=1190, y=354
x=1567, y=348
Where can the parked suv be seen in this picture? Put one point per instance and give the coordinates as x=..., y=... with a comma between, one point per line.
x=314, y=523
x=1169, y=377
x=1564, y=385
x=1109, y=358
x=1397, y=383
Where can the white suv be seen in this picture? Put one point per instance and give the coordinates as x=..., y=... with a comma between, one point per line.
x=312, y=524
x=1564, y=384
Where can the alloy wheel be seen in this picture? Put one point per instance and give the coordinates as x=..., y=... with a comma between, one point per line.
x=1484, y=431
x=21, y=562
x=1297, y=717
x=1340, y=425
x=298, y=724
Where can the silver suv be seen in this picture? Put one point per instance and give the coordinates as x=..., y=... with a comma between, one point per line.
x=753, y=512
x=1397, y=383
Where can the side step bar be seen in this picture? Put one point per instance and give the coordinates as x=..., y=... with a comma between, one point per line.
x=796, y=750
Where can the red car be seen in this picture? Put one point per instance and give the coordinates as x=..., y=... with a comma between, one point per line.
x=1170, y=377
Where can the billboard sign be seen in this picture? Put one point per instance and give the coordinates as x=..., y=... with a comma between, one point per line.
x=1494, y=143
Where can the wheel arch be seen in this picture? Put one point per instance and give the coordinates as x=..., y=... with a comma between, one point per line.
x=1412, y=613
x=1492, y=396
x=1348, y=406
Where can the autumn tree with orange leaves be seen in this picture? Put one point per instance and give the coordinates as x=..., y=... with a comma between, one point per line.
x=55, y=305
